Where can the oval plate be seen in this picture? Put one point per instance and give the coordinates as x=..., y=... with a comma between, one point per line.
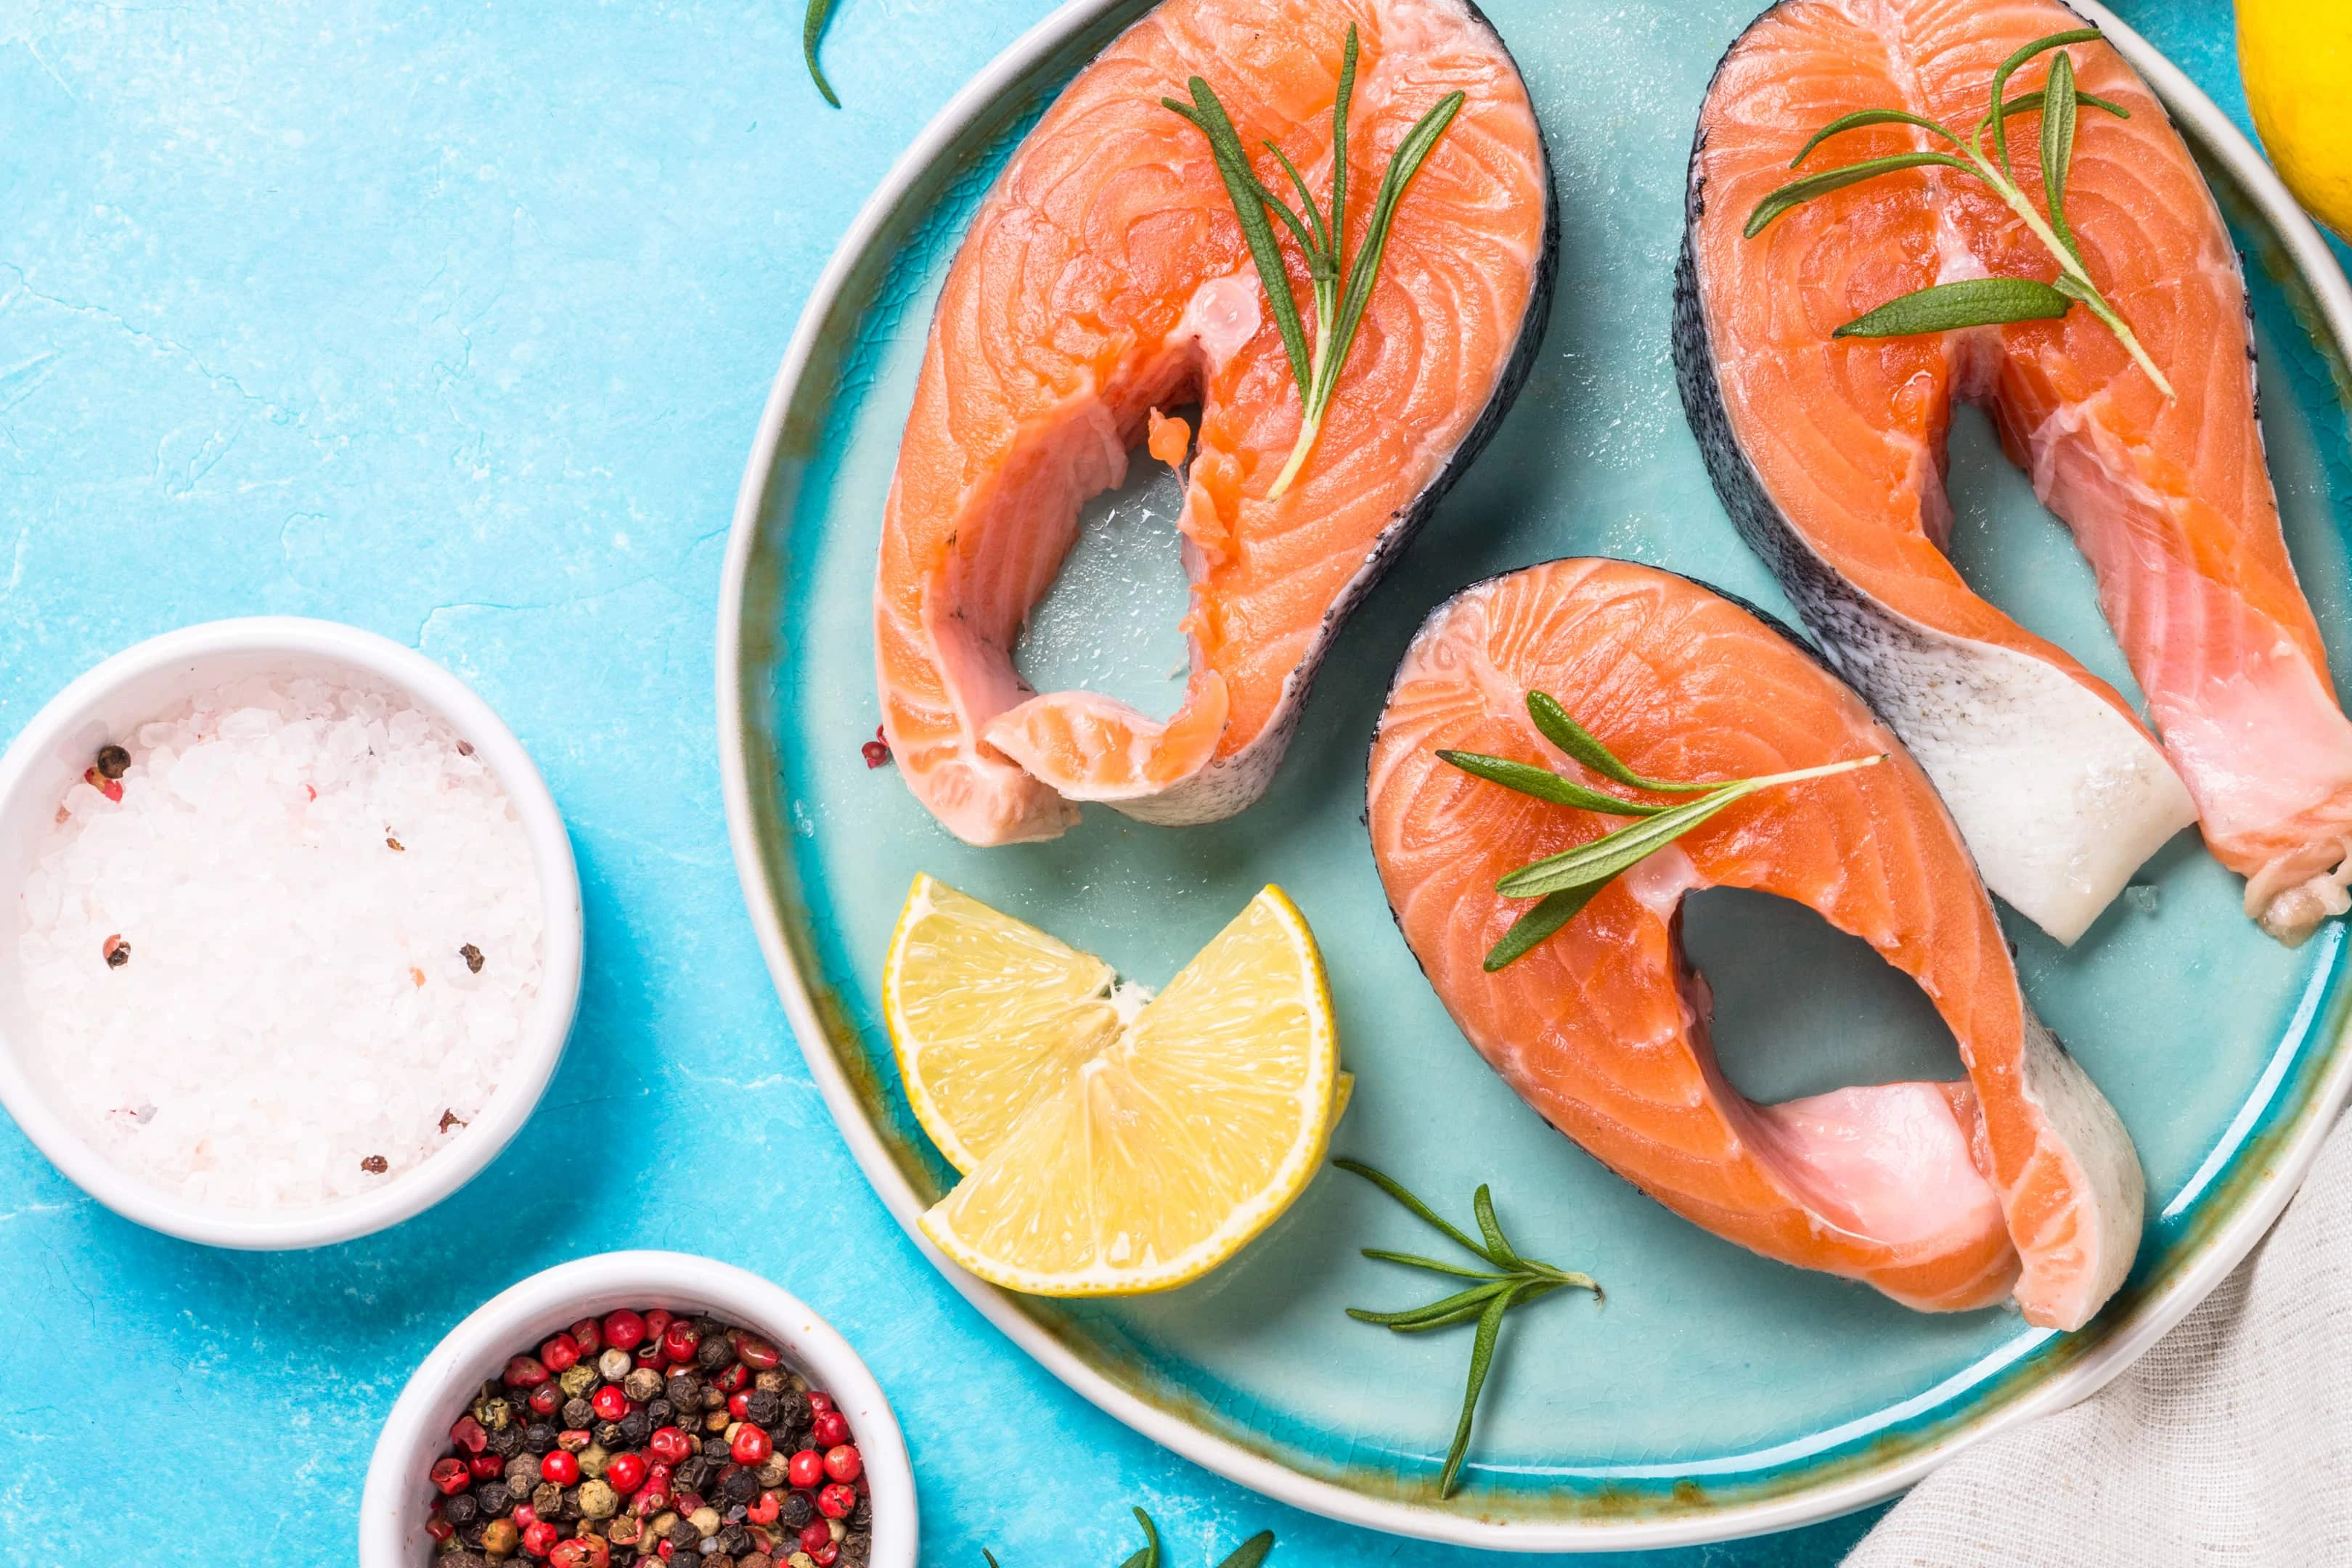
x=1716, y=1394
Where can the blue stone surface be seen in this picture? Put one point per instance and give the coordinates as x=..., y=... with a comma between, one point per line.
x=455, y=322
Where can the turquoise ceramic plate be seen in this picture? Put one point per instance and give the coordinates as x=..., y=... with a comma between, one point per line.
x=1715, y=1393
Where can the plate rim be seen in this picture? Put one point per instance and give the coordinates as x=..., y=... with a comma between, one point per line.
x=2222, y=1252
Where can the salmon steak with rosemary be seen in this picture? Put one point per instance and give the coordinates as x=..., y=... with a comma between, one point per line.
x=1117, y=270
x=1605, y=739
x=1869, y=241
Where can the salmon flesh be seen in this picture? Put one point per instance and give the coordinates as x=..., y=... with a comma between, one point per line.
x=1106, y=279
x=1944, y=1195
x=1829, y=455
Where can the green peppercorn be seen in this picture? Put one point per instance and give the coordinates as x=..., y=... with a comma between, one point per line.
x=576, y=1379
x=594, y=1458
x=500, y=1538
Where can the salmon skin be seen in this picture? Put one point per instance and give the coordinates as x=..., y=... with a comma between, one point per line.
x=1105, y=277
x=1830, y=457
x=1943, y=1195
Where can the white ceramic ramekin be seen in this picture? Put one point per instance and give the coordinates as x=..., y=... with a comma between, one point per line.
x=392, y=1509
x=139, y=685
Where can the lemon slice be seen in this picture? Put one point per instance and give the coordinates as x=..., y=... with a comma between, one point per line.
x=1164, y=1153
x=987, y=1015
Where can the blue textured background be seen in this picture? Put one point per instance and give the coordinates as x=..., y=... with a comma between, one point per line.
x=455, y=322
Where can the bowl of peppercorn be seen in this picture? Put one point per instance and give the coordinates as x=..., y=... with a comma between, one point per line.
x=637, y=1410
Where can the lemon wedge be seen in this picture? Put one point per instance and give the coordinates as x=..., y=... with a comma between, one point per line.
x=1115, y=1146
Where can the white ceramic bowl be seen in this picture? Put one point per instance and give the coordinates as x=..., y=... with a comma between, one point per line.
x=392, y=1509
x=137, y=686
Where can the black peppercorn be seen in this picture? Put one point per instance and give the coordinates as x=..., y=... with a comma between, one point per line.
x=658, y=1412
x=578, y=1414
x=569, y=1509
x=734, y=1541
x=684, y=1537
x=762, y=1408
x=539, y=1437
x=608, y=1435
x=462, y=1558
x=862, y=1516
x=491, y=1499
x=796, y=1416
x=796, y=1511
x=684, y=1391
x=113, y=762
x=506, y=1442
x=740, y=1487
x=461, y=1510
x=856, y=1552
x=712, y=1354
x=633, y=1428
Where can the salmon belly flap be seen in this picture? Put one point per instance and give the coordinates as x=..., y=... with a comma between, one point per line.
x=1106, y=281
x=1943, y=1195
x=1828, y=454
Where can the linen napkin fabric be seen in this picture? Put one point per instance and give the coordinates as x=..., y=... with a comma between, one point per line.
x=2229, y=1444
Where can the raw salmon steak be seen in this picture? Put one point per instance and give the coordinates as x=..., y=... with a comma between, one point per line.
x=1944, y=1195
x=1105, y=279
x=1830, y=457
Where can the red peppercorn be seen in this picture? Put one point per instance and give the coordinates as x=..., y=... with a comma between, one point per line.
x=525, y=1371
x=824, y=1555
x=820, y=1403
x=658, y=1322
x=663, y=1549
x=467, y=1434
x=765, y=1511
x=623, y=1330
x=679, y=1342
x=750, y=1444
x=451, y=1477
x=588, y=1335
x=837, y=1500
x=610, y=1402
x=844, y=1463
x=439, y=1528
x=805, y=1469
x=669, y=1444
x=558, y=1467
x=581, y=1552
x=735, y=1378
x=829, y=1429
x=572, y=1440
x=538, y=1538
x=815, y=1534
x=877, y=750
x=486, y=1466
x=558, y=1352
x=546, y=1399
x=523, y=1514
x=739, y=1406
x=757, y=1352
x=625, y=1472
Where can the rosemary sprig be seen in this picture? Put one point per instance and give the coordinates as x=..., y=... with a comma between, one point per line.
x=1946, y=306
x=1249, y=1554
x=1342, y=289
x=1514, y=1282
x=811, y=29
x=1564, y=883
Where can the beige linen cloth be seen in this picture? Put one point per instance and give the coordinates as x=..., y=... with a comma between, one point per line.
x=2230, y=1443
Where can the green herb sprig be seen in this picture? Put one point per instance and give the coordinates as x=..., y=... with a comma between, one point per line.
x=1342, y=289
x=1984, y=301
x=1563, y=884
x=811, y=29
x=1249, y=1554
x=1514, y=1282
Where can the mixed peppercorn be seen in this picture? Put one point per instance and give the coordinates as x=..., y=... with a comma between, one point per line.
x=646, y=1438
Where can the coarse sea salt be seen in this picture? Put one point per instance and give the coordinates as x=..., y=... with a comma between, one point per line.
x=297, y=869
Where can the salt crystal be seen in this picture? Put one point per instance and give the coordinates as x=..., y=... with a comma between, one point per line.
x=266, y=1035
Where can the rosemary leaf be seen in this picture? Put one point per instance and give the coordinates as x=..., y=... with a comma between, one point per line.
x=1435, y=1266
x=1414, y=1205
x=1482, y=1203
x=1544, y=784
x=1482, y=1358
x=1862, y=117
x=1403, y=164
x=1798, y=191
x=1972, y=302
x=811, y=29
x=1562, y=731
x=2030, y=103
x=1148, y=1556
x=1605, y=856
x=1248, y=195
x=2058, y=145
x=1250, y=1552
x=1551, y=911
x=1446, y=1309
x=1316, y=245
x=1999, y=111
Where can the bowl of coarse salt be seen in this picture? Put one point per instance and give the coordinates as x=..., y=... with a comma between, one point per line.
x=290, y=932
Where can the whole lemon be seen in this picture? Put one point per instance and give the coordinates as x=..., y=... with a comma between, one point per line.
x=2296, y=58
